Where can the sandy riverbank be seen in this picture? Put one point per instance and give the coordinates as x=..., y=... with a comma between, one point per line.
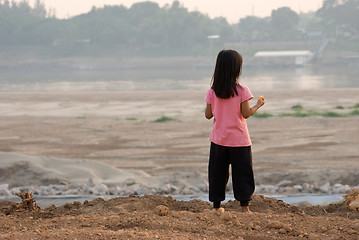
x=119, y=129
x=114, y=137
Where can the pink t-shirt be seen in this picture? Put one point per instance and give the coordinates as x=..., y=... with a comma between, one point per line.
x=229, y=126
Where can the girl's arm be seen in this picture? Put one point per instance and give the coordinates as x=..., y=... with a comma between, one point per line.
x=208, y=112
x=248, y=111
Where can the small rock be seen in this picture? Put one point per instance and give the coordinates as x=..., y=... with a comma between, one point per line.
x=284, y=183
x=130, y=182
x=71, y=192
x=354, y=205
x=268, y=189
x=166, y=189
x=204, y=187
x=237, y=223
x=68, y=206
x=339, y=188
x=303, y=204
x=313, y=236
x=174, y=189
x=161, y=210
x=325, y=188
x=143, y=234
x=4, y=190
x=227, y=216
x=187, y=191
x=307, y=187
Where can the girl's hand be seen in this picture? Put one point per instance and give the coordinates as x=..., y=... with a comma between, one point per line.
x=248, y=111
x=261, y=101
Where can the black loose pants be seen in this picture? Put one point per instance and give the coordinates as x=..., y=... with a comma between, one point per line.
x=240, y=158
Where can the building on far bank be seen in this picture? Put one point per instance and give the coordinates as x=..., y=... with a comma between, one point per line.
x=284, y=58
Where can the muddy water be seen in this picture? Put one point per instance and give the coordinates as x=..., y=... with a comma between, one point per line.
x=308, y=77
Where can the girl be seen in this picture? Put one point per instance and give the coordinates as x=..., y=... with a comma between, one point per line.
x=228, y=102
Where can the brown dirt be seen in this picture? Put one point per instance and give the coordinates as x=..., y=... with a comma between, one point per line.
x=139, y=218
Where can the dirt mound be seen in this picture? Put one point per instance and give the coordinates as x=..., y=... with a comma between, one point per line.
x=160, y=217
x=348, y=208
x=262, y=204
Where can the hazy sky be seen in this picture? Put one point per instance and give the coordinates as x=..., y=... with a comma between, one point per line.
x=233, y=10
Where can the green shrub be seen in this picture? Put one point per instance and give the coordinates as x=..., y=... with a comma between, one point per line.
x=354, y=112
x=330, y=114
x=262, y=115
x=296, y=114
x=297, y=107
x=164, y=119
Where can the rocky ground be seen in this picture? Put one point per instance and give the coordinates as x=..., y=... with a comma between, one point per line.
x=160, y=217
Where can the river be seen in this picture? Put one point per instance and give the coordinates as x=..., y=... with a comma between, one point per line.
x=49, y=80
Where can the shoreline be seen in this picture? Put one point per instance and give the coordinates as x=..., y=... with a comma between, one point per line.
x=299, y=200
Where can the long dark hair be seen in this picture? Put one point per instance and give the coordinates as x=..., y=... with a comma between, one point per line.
x=227, y=70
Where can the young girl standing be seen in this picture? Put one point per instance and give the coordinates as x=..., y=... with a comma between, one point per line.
x=228, y=102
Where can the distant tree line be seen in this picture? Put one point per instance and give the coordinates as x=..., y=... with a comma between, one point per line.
x=147, y=28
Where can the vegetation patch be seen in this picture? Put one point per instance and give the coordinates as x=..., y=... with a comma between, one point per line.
x=297, y=107
x=354, y=112
x=262, y=115
x=164, y=119
x=299, y=111
x=331, y=114
x=131, y=119
x=296, y=114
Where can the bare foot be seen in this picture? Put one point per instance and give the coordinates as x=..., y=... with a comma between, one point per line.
x=245, y=209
